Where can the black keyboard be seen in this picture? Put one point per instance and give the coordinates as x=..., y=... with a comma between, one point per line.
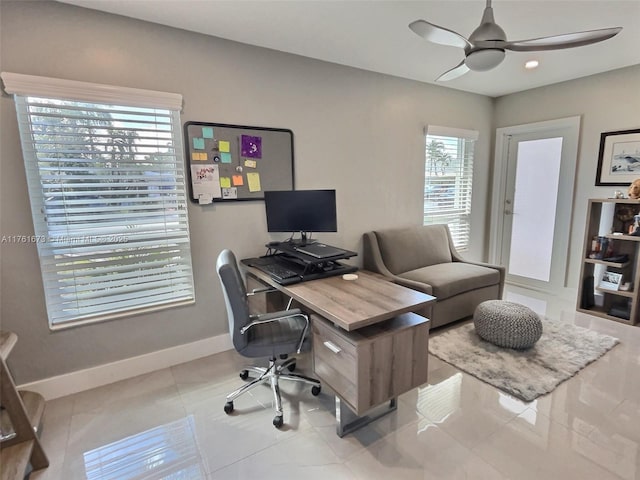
x=278, y=272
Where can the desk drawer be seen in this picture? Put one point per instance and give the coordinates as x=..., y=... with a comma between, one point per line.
x=370, y=366
x=335, y=360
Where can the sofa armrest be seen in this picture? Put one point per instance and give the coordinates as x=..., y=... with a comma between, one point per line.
x=412, y=284
x=501, y=269
x=373, y=262
x=372, y=258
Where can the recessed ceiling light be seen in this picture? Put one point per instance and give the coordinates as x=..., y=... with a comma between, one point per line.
x=531, y=64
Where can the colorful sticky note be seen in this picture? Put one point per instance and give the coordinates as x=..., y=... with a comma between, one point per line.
x=251, y=146
x=198, y=143
x=253, y=178
x=223, y=146
x=225, y=182
x=207, y=132
x=250, y=163
x=225, y=157
x=195, y=156
x=237, y=180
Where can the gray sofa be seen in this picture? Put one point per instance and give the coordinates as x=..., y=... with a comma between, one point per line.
x=424, y=258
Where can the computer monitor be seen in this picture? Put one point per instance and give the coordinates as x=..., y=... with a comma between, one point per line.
x=303, y=211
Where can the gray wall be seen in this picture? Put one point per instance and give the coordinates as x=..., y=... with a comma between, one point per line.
x=606, y=102
x=356, y=131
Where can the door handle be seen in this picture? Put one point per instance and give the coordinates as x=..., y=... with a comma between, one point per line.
x=508, y=212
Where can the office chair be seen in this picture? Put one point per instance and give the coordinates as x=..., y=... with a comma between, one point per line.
x=274, y=335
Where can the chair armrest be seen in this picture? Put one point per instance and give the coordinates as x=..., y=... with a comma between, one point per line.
x=256, y=291
x=295, y=313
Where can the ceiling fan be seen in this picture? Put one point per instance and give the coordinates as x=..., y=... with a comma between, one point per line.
x=485, y=48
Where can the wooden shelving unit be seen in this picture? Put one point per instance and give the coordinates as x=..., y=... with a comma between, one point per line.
x=20, y=421
x=609, y=218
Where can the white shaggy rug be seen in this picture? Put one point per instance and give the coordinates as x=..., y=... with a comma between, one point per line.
x=562, y=351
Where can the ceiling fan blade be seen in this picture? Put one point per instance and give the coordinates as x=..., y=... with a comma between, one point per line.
x=439, y=35
x=557, y=42
x=455, y=72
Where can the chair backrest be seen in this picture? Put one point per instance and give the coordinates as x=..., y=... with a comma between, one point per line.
x=410, y=248
x=235, y=296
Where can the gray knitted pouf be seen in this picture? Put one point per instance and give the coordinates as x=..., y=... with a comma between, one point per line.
x=507, y=324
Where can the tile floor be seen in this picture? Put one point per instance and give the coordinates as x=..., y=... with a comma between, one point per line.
x=170, y=424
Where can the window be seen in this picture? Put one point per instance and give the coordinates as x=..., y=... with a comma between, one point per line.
x=107, y=187
x=448, y=180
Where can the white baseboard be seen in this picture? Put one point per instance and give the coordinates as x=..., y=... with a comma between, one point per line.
x=74, y=382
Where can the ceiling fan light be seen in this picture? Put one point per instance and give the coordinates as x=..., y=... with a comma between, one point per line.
x=485, y=59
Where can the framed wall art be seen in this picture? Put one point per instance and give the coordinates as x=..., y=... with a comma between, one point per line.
x=619, y=158
x=610, y=281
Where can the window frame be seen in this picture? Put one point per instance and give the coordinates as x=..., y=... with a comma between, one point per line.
x=165, y=229
x=448, y=198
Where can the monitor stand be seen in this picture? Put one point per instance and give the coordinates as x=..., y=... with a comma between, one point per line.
x=302, y=242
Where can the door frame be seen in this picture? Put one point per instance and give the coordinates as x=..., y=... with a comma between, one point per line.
x=498, y=196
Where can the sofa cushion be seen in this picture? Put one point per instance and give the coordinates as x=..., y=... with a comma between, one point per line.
x=453, y=278
x=411, y=248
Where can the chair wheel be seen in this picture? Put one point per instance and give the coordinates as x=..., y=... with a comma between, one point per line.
x=228, y=407
x=315, y=390
x=291, y=367
x=277, y=421
x=244, y=374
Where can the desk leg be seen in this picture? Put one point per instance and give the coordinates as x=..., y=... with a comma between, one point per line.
x=348, y=422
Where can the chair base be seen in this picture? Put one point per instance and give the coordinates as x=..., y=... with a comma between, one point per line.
x=272, y=375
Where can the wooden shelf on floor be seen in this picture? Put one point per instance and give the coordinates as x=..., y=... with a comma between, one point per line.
x=14, y=460
x=20, y=419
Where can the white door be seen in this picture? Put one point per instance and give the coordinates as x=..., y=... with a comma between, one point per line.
x=535, y=200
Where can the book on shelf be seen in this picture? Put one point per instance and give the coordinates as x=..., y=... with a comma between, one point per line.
x=587, y=299
x=621, y=310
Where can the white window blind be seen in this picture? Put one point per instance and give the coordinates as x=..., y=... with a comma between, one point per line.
x=108, y=196
x=449, y=180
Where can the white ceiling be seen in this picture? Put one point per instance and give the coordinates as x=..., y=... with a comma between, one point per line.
x=373, y=34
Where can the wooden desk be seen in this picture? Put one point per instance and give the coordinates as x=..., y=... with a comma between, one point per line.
x=367, y=346
x=352, y=304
